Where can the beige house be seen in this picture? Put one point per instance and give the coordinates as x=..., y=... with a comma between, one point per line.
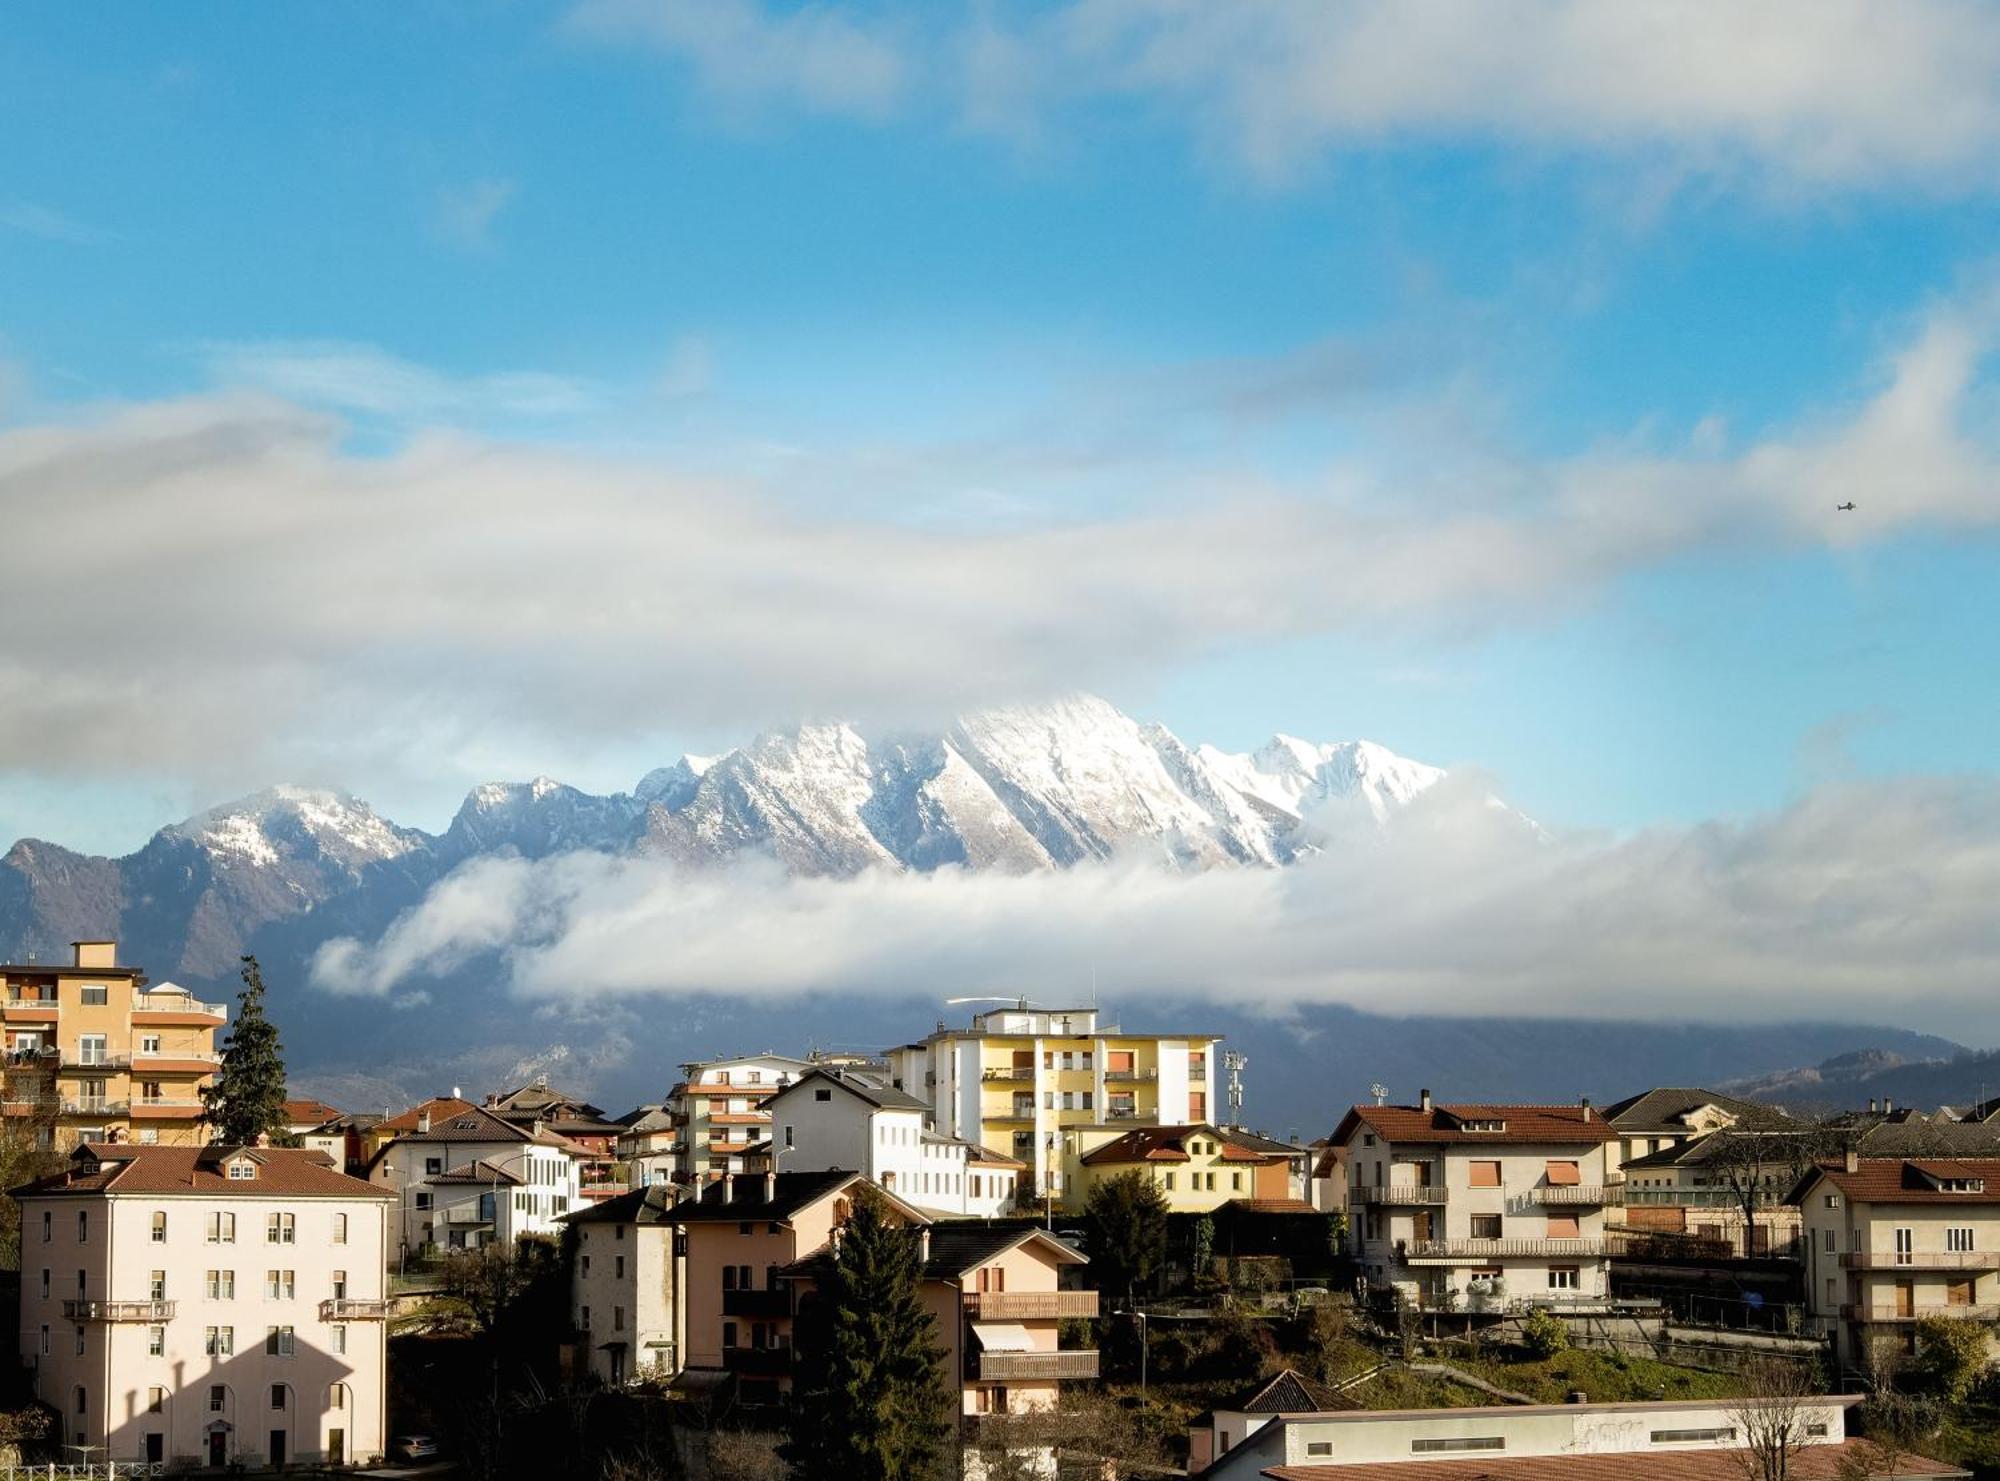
x=1891, y=1240
x=625, y=1286
x=1196, y=1168
x=472, y=1177
x=1474, y=1205
x=212, y=1305
x=92, y=1054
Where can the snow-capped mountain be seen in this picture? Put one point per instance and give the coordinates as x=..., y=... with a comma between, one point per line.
x=1022, y=788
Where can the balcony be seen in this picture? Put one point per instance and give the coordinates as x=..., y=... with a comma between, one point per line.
x=1399, y=1195
x=72, y=1064
x=1012, y=1072
x=764, y=1361
x=1028, y=1306
x=346, y=1309
x=1923, y=1260
x=150, y=1008
x=32, y=1059
x=1130, y=1077
x=31, y=1010
x=1000, y=1367
x=177, y=1061
x=1460, y=1251
x=1852, y=1313
x=1692, y=1198
x=167, y=1107
x=118, y=1311
x=94, y=1105
x=466, y=1215
x=1576, y=1196
x=757, y=1303
x=1121, y=1113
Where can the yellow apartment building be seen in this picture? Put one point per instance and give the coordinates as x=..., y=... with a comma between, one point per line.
x=95, y=1055
x=1196, y=1168
x=1020, y=1079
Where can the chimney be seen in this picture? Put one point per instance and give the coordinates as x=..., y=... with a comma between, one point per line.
x=1871, y=1105
x=1583, y=1101
x=1423, y=1100
x=455, y=1095
x=1853, y=1158
x=1888, y=1106
x=924, y=1245
x=423, y=1123
x=728, y=1181
x=770, y=1187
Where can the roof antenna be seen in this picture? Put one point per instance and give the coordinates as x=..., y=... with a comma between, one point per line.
x=1379, y=1091
x=1235, y=1061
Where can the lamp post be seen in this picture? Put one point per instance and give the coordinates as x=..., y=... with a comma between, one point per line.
x=1143, y=1345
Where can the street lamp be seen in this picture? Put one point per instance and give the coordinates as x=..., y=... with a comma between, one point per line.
x=1143, y=1345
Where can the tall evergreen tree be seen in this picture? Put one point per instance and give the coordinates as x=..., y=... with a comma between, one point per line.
x=1125, y=1232
x=869, y=1396
x=247, y=1099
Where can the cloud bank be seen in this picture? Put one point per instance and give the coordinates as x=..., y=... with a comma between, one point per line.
x=1853, y=903
x=270, y=602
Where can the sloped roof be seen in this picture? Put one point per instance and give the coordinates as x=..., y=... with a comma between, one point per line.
x=959, y=1245
x=482, y=1172
x=539, y=1100
x=650, y=1205
x=309, y=1112
x=1659, y=1110
x=1289, y=1392
x=1905, y=1180
x=1444, y=1125
x=792, y=1192
x=874, y=1089
x=477, y=1124
x=126, y=1167
x=1252, y=1141
x=1167, y=1144
x=439, y=1106
x=1811, y=1463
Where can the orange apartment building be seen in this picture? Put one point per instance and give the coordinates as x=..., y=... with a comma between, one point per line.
x=97, y=1056
x=750, y=1247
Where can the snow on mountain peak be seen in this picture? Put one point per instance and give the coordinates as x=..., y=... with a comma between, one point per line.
x=265, y=827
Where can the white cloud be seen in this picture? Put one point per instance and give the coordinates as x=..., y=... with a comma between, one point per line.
x=817, y=58
x=368, y=381
x=36, y=220
x=1853, y=902
x=463, y=215
x=270, y=603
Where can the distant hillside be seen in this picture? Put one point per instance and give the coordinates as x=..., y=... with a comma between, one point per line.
x=1926, y=1081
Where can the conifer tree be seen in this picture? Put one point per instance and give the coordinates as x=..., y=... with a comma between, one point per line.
x=247, y=1099
x=869, y=1395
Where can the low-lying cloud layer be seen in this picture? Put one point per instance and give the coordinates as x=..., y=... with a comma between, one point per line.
x=273, y=605
x=1860, y=903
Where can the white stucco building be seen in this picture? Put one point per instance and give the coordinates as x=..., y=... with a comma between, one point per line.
x=470, y=1177
x=210, y=1304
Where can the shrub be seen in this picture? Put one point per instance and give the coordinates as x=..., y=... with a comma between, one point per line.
x=1951, y=1356
x=1544, y=1334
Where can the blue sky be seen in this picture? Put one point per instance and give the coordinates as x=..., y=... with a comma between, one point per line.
x=868, y=267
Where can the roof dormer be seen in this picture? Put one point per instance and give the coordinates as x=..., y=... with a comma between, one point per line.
x=241, y=1168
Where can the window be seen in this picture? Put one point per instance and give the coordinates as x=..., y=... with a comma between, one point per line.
x=433, y=1166
x=219, y=1342
x=1905, y=1247
x=1564, y=1226
x=1168, y=1179
x=159, y=1226
x=45, y=1282
x=222, y=1228
x=156, y=1342
x=1826, y=1239
x=279, y=1285
x=91, y=1049
x=82, y=1400
x=1958, y=1241
x=822, y=1095
x=156, y=1283
x=277, y=1396
x=156, y=1400
x=340, y=1228
x=79, y=1342
x=618, y=1267
x=83, y=1226
x=583, y=1318
x=729, y=1334
x=1562, y=1277
x=1482, y=1174
x=339, y=1285
x=1833, y=1200
x=1236, y=1182
x=424, y=1201
x=217, y=1397
x=221, y=1285
x=48, y=1226
x=149, y=1043
x=788, y=1133
x=617, y=1318
x=242, y=1170
x=1458, y=1442
x=96, y=995
x=45, y=1339
x=1319, y=1447
x=1686, y=1437
x=1564, y=1174
x=1486, y=1226
x=585, y=1262
x=281, y=1229
x=278, y=1342
x=338, y=1337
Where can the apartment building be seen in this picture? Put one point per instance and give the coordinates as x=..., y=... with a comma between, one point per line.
x=1679, y=1156
x=625, y=1285
x=753, y=1246
x=648, y=1146
x=845, y=1118
x=472, y=1177
x=1021, y=1077
x=569, y=1116
x=1460, y=1205
x=718, y=1110
x=1671, y=1116
x=213, y=1305
x=1891, y=1240
x=1196, y=1168
x=1656, y=1440
x=93, y=1054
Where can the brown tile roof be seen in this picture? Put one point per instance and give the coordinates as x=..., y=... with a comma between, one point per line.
x=1904, y=1180
x=1271, y=1206
x=1290, y=1392
x=440, y=1106
x=1814, y=1463
x=309, y=1112
x=481, y=1172
x=125, y=1167
x=1442, y=1125
x=1166, y=1144
x=477, y=1124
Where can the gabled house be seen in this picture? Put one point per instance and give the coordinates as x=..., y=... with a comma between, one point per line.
x=648, y=1145
x=830, y=1117
x=1670, y=1116
x=571, y=1117
x=473, y=1177
x=1197, y=1168
x=1225, y=1427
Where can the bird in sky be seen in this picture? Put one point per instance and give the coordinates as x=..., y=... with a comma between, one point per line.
x=1841, y=508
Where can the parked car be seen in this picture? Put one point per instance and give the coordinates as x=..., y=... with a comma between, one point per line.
x=414, y=1447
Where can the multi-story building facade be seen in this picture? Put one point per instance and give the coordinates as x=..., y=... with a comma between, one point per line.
x=1196, y=1168
x=718, y=1111
x=855, y=1119
x=1666, y=1117
x=471, y=1177
x=1714, y=1193
x=625, y=1286
x=218, y=1305
x=1459, y=1204
x=1020, y=1077
x=577, y=1119
x=1891, y=1240
x=93, y=1054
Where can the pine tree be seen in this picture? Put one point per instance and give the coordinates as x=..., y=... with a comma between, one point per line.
x=869, y=1395
x=247, y=1099
x=1125, y=1232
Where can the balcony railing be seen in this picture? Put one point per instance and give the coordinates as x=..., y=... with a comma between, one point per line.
x=1581, y=1195
x=94, y=1105
x=32, y=1059
x=757, y=1303
x=1921, y=1260
x=1417, y=1251
x=1853, y=1313
x=1011, y=1072
x=118, y=1311
x=195, y=1056
x=167, y=1102
x=1130, y=1077
x=73, y=1060
x=1018, y=1366
x=180, y=1005
x=1692, y=1198
x=1398, y=1194
x=1001, y=1306
x=1121, y=1113
x=347, y=1309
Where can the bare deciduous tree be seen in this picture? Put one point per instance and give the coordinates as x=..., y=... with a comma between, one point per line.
x=1760, y=1167
x=1780, y=1403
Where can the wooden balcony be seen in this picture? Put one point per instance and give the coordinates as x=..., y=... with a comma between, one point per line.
x=999, y=1306
x=118, y=1311
x=345, y=1309
x=1921, y=1260
x=1462, y=1251
x=1398, y=1195
x=1002, y=1367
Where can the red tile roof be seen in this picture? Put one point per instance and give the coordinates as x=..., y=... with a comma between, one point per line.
x=1168, y=1144
x=440, y=1106
x=1446, y=1124
x=126, y=1167
x=1910, y=1180
x=309, y=1112
x=1814, y=1463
